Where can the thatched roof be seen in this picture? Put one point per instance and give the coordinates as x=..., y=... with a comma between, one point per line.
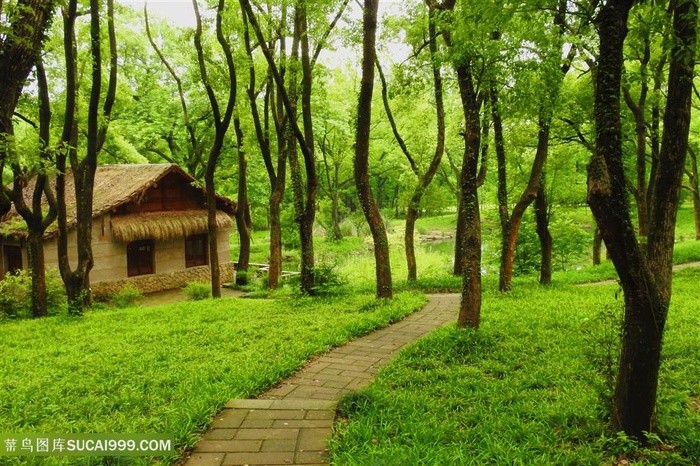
x=115, y=185
x=163, y=226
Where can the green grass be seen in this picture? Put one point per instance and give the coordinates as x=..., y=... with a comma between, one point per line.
x=167, y=369
x=522, y=389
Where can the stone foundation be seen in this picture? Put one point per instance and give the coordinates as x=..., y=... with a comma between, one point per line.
x=161, y=282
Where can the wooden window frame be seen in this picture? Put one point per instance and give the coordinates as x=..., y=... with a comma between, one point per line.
x=140, y=258
x=197, y=250
x=12, y=258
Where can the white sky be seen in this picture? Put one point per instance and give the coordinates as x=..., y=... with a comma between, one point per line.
x=177, y=12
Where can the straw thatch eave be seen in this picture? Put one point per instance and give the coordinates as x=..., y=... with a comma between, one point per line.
x=115, y=185
x=164, y=226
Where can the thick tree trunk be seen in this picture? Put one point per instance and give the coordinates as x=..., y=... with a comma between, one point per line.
x=542, y=218
x=645, y=279
x=361, y=165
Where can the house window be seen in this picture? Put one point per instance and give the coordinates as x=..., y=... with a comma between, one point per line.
x=13, y=258
x=196, y=250
x=139, y=257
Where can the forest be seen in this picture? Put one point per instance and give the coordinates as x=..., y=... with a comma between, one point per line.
x=480, y=147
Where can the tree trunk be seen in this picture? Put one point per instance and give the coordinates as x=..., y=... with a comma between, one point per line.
x=542, y=218
x=510, y=236
x=597, y=245
x=639, y=110
x=35, y=251
x=408, y=239
x=242, y=209
x=460, y=230
x=262, y=131
x=695, y=189
x=470, y=304
x=335, y=217
x=20, y=50
x=361, y=165
x=221, y=125
x=645, y=279
x=427, y=178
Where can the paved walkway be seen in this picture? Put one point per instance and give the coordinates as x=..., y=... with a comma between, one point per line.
x=291, y=423
x=676, y=267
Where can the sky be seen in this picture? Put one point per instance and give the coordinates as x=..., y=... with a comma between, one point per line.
x=180, y=13
x=177, y=12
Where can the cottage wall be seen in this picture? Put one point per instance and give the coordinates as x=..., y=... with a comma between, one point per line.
x=109, y=274
x=4, y=261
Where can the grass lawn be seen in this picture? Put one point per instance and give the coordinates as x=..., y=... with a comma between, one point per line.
x=166, y=369
x=523, y=389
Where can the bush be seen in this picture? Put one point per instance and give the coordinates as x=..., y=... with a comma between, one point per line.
x=197, y=291
x=126, y=296
x=16, y=294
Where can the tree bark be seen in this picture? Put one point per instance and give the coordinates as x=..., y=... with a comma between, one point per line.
x=597, y=245
x=638, y=110
x=19, y=52
x=645, y=278
x=543, y=233
x=36, y=218
x=426, y=178
x=77, y=281
x=361, y=165
x=221, y=126
x=470, y=304
x=242, y=208
x=695, y=189
x=277, y=176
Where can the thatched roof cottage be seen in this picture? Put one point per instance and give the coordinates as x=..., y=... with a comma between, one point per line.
x=149, y=228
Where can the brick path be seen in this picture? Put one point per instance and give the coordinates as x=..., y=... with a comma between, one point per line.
x=291, y=423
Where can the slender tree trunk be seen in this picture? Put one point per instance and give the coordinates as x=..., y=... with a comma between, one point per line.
x=638, y=110
x=335, y=217
x=77, y=281
x=364, y=189
x=427, y=178
x=242, y=209
x=695, y=189
x=221, y=126
x=542, y=218
x=510, y=236
x=276, y=176
x=597, y=245
x=470, y=305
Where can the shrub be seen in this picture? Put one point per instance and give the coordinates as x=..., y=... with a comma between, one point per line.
x=327, y=280
x=602, y=334
x=197, y=291
x=16, y=294
x=126, y=296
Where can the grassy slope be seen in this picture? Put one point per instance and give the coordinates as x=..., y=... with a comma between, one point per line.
x=167, y=369
x=522, y=390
